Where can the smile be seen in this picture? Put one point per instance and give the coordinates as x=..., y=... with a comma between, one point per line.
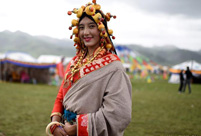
x=87, y=39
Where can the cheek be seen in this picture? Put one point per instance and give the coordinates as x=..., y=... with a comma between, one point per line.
x=80, y=34
x=96, y=33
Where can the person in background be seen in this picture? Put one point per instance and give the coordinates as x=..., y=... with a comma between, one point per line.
x=181, y=77
x=188, y=80
x=24, y=77
x=15, y=76
x=60, y=71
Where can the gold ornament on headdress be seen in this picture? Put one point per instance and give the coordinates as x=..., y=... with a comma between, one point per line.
x=90, y=9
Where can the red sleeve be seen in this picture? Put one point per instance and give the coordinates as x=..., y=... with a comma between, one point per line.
x=58, y=105
x=82, y=125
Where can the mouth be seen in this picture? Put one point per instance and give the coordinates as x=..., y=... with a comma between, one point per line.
x=87, y=39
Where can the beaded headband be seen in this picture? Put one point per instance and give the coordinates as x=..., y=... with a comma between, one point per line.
x=93, y=10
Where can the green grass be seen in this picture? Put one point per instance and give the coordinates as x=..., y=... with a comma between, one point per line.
x=158, y=109
x=25, y=109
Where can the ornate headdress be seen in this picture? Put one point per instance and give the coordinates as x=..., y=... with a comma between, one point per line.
x=93, y=10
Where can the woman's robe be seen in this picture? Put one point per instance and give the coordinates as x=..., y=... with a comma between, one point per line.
x=101, y=98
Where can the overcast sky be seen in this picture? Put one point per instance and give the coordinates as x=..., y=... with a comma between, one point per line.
x=145, y=22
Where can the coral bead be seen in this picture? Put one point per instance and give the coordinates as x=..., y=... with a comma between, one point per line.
x=77, y=47
x=91, y=9
x=69, y=12
x=113, y=37
x=114, y=17
x=71, y=36
x=102, y=39
x=102, y=19
x=70, y=28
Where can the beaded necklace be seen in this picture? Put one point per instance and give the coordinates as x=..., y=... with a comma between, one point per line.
x=81, y=61
x=96, y=54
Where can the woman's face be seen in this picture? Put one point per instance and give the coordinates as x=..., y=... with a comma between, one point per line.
x=89, y=33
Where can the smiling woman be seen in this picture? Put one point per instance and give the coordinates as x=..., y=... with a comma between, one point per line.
x=95, y=96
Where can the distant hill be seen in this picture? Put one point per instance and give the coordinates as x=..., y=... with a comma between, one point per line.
x=35, y=45
x=167, y=55
x=40, y=45
x=199, y=51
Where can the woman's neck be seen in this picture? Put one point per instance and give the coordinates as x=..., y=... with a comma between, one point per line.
x=91, y=50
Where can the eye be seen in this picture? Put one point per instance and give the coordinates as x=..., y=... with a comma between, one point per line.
x=92, y=26
x=81, y=27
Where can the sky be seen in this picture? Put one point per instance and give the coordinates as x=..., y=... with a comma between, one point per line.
x=144, y=22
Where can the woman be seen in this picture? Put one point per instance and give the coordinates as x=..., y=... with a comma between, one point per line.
x=95, y=96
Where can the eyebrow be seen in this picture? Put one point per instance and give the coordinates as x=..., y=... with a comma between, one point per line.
x=88, y=23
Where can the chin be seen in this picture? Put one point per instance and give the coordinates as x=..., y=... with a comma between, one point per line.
x=89, y=44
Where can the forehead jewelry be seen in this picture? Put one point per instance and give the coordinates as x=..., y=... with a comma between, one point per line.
x=90, y=9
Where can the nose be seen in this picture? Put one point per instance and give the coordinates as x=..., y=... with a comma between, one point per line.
x=86, y=31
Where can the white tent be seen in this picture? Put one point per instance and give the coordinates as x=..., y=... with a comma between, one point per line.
x=20, y=56
x=49, y=59
x=2, y=55
x=194, y=66
x=174, y=78
x=53, y=59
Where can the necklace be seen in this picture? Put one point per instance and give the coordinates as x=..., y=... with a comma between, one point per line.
x=89, y=56
x=80, y=63
x=73, y=70
x=96, y=54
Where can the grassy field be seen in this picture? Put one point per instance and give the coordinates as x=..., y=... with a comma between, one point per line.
x=158, y=109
